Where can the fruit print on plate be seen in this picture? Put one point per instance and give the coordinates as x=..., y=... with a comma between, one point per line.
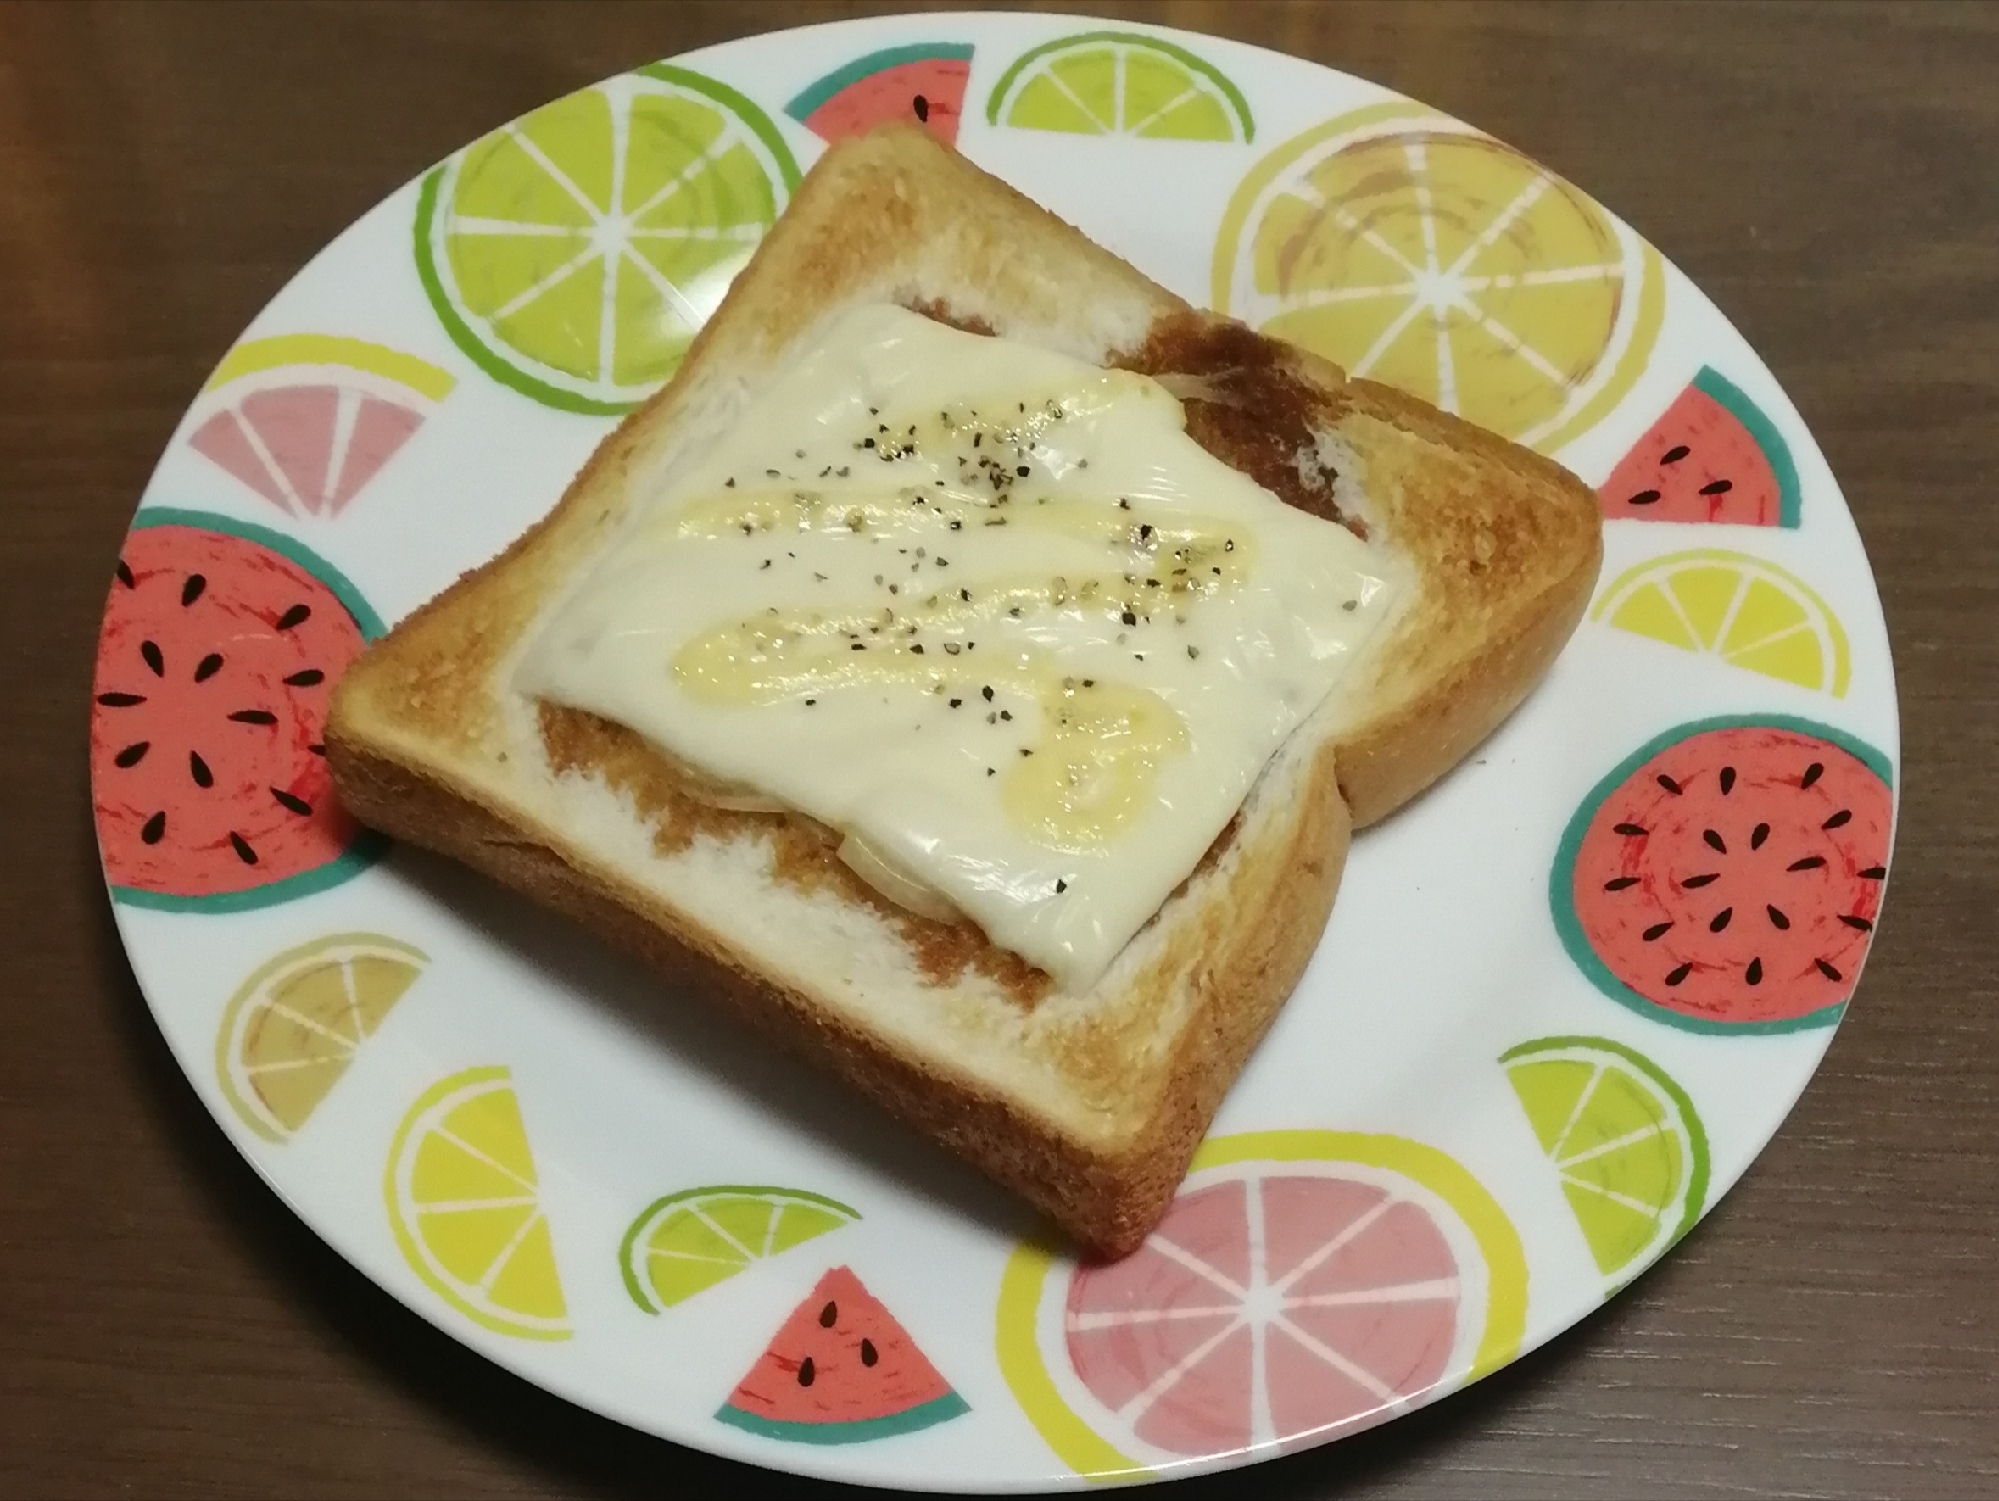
x=463, y=1201
x=1727, y=875
x=1748, y=612
x=293, y=1027
x=307, y=420
x=1712, y=456
x=215, y=663
x=1120, y=83
x=573, y=253
x=1304, y=1284
x=924, y=82
x=840, y=1371
x=1626, y=1140
x=693, y=1239
x=1408, y=248
x=1444, y=1152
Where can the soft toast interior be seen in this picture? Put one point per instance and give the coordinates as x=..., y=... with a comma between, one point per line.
x=1089, y=1105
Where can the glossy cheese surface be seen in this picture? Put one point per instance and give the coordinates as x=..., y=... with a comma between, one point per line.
x=984, y=609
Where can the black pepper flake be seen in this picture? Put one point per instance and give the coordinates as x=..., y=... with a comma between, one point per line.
x=764, y=564
x=966, y=595
x=1128, y=618
x=1025, y=751
x=1123, y=504
x=729, y=483
x=1350, y=605
x=917, y=648
x=1006, y=714
x=989, y=771
x=1193, y=651
x=857, y=646
x=810, y=702
x=957, y=526
x=957, y=703
x=867, y=442
x=987, y=691
x=1060, y=886
x=1022, y=470
x=772, y=473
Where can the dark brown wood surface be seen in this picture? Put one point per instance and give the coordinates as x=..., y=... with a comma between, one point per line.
x=1829, y=173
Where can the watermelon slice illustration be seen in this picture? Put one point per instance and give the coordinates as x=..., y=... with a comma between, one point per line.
x=307, y=420
x=220, y=646
x=840, y=1371
x=1727, y=876
x=924, y=82
x=1713, y=456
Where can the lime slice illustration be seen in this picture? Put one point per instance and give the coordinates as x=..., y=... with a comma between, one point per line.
x=574, y=253
x=1630, y=1150
x=466, y=1210
x=1120, y=83
x=691, y=1240
x=1410, y=249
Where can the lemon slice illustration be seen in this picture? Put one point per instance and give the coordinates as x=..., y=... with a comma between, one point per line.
x=466, y=1210
x=294, y=1026
x=1415, y=251
x=1750, y=613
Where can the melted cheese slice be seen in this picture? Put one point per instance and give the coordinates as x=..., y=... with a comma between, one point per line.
x=986, y=610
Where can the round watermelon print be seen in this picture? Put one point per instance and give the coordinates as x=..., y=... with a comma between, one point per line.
x=215, y=666
x=1303, y=1285
x=1727, y=875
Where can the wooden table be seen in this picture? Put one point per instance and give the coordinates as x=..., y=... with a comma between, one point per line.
x=1830, y=174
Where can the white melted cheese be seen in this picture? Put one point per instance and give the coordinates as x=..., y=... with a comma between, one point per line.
x=986, y=610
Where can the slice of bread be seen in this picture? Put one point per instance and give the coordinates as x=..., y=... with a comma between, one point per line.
x=1089, y=1105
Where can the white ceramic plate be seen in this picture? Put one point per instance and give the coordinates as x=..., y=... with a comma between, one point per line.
x=1503, y=1087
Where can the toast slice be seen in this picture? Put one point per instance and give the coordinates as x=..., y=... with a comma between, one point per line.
x=1089, y=1105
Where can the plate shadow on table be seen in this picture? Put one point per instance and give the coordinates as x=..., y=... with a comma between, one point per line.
x=578, y=1451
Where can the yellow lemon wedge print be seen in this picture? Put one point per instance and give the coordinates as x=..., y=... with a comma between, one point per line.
x=466, y=1209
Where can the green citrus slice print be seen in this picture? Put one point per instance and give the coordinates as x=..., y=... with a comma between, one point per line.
x=691, y=1240
x=1748, y=612
x=574, y=253
x=1120, y=83
x=466, y=1210
x=1415, y=251
x=294, y=1026
x=1625, y=1139
x=1303, y=1285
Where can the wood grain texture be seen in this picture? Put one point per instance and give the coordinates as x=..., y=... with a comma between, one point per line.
x=1825, y=172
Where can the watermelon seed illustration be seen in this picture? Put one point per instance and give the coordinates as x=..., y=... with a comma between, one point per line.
x=1713, y=456
x=1727, y=875
x=841, y=1370
x=924, y=82
x=219, y=650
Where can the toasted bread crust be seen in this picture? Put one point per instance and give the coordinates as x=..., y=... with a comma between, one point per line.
x=1503, y=548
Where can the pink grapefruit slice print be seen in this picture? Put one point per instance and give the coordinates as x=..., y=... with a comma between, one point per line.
x=1304, y=1285
x=307, y=420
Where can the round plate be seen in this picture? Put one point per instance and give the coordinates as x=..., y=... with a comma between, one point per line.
x=1565, y=998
